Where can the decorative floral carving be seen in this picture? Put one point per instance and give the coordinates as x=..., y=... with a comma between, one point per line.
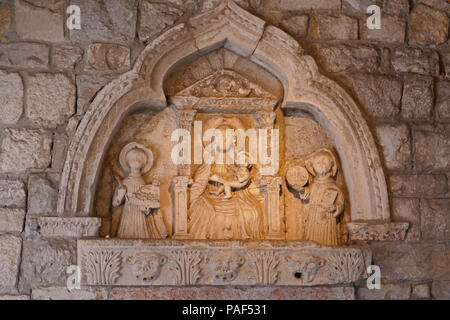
x=69, y=227
x=146, y=266
x=225, y=266
x=304, y=266
x=345, y=266
x=386, y=231
x=102, y=266
x=185, y=266
x=264, y=267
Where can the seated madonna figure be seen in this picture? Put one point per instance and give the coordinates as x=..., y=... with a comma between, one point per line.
x=221, y=205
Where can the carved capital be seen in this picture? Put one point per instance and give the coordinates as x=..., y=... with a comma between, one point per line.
x=266, y=119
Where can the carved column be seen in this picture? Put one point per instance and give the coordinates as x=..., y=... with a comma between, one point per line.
x=272, y=187
x=185, y=121
x=180, y=196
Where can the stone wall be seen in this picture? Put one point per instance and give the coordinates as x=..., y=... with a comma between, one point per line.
x=399, y=76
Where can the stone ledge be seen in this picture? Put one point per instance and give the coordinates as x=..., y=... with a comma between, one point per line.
x=69, y=227
x=218, y=263
x=388, y=231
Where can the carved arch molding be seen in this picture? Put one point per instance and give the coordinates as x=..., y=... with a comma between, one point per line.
x=231, y=27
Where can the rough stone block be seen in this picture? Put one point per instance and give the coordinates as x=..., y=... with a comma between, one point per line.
x=87, y=87
x=66, y=57
x=12, y=193
x=407, y=209
x=10, y=249
x=441, y=290
x=417, y=101
x=415, y=60
x=25, y=55
x=398, y=7
x=14, y=297
x=435, y=219
x=50, y=99
x=101, y=56
x=360, y=6
x=106, y=21
x=11, y=97
x=443, y=100
x=24, y=149
x=421, y=291
x=427, y=26
x=155, y=17
x=11, y=219
x=34, y=23
x=340, y=27
x=418, y=185
x=297, y=26
x=62, y=293
x=42, y=194
x=431, y=145
x=5, y=20
x=386, y=292
x=303, y=5
x=395, y=143
x=393, y=30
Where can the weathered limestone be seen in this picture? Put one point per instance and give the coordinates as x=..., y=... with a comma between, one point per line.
x=417, y=100
x=5, y=20
x=24, y=149
x=42, y=194
x=393, y=30
x=421, y=291
x=11, y=219
x=66, y=57
x=427, y=26
x=50, y=99
x=87, y=87
x=398, y=7
x=443, y=100
x=408, y=209
x=418, y=185
x=102, y=56
x=38, y=24
x=109, y=21
x=395, y=144
x=297, y=25
x=155, y=17
x=378, y=232
x=440, y=289
x=435, y=218
x=20, y=54
x=386, y=292
x=69, y=227
x=62, y=293
x=11, y=97
x=303, y=5
x=341, y=27
x=406, y=59
x=12, y=193
x=10, y=249
x=431, y=147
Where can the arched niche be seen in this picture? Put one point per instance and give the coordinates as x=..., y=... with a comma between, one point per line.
x=230, y=27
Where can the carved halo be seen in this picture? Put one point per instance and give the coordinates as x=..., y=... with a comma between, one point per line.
x=134, y=145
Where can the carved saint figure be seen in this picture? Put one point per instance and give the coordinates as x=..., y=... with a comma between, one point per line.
x=139, y=218
x=221, y=205
x=324, y=199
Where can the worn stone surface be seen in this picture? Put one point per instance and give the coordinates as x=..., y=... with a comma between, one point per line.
x=417, y=100
x=38, y=24
x=427, y=26
x=44, y=262
x=435, y=218
x=366, y=88
x=386, y=292
x=421, y=291
x=418, y=185
x=360, y=6
x=432, y=146
x=303, y=5
x=42, y=194
x=406, y=59
x=50, y=99
x=12, y=193
x=22, y=54
x=11, y=97
x=398, y=7
x=24, y=149
x=441, y=290
x=337, y=58
x=87, y=87
x=62, y=293
x=340, y=27
x=407, y=209
x=14, y=297
x=102, y=56
x=10, y=249
x=11, y=219
x=395, y=144
x=445, y=58
x=393, y=30
x=246, y=293
x=297, y=26
x=443, y=100
x=66, y=57
x=5, y=20
x=106, y=21
x=155, y=17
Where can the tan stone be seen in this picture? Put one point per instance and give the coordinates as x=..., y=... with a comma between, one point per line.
x=418, y=185
x=5, y=20
x=102, y=56
x=10, y=249
x=24, y=149
x=14, y=297
x=408, y=209
x=443, y=100
x=431, y=148
x=66, y=57
x=11, y=97
x=421, y=291
x=386, y=292
x=406, y=59
x=21, y=54
x=417, y=100
x=340, y=27
x=11, y=220
x=62, y=293
x=435, y=218
x=42, y=194
x=12, y=193
x=392, y=30
x=359, y=6
x=38, y=24
x=398, y=7
x=337, y=58
x=155, y=17
x=303, y=5
x=297, y=26
x=395, y=143
x=50, y=99
x=441, y=290
x=87, y=87
x=427, y=26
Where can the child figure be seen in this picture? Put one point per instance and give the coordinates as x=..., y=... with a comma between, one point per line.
x=241, y=177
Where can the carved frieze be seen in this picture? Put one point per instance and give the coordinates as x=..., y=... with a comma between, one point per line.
x=388, y=231
x=69, y=227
